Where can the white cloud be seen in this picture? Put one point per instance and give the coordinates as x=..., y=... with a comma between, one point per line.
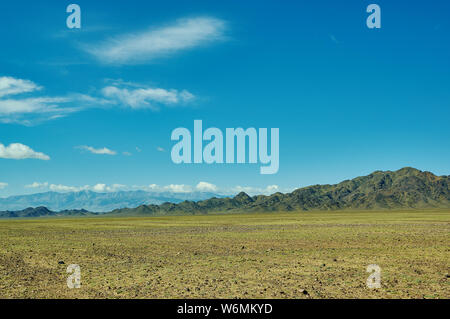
x=174, y=188
x=272, y=189
x=209, y=187
x=20, y=151
x=115, y=187
x=23, y=106
x=89, y=100
x=149, y=98
x=206, y=187
x=126, y=153
x=160, y=149
x=246, y=189
x=36, y=109
x=255, y=190
x=3, y=185
x=156, y=43
x=178, y=188
x=10, y=86
x=37, y=185
x=65, y=188
x=101, y=151
x=147, y=188
x=101, y=188
x=32, y=109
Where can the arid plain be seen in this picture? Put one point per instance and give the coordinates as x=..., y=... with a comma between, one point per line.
x=271, y=255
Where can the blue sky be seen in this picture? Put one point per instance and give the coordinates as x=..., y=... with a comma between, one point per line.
x=94, y=108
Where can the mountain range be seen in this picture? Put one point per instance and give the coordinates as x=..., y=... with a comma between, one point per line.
x=407, y=188
x=97, y=202
x=402, y=189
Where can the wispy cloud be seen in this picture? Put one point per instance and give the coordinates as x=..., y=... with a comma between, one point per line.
x=333, y=38
x=145, y=97
x=3, y=185
x=19, y=151
x=33, y=110
x=101, y=151
x=36, y=109
x=145, y=46
x=160, y=149
x=11, y=86
x=29, y=110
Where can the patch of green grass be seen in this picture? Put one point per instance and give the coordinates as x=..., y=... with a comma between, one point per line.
x=277, y=255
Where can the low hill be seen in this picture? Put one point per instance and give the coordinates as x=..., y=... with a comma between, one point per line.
x=43, y=212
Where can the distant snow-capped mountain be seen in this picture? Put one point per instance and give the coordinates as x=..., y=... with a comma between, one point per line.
x=98, y=202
